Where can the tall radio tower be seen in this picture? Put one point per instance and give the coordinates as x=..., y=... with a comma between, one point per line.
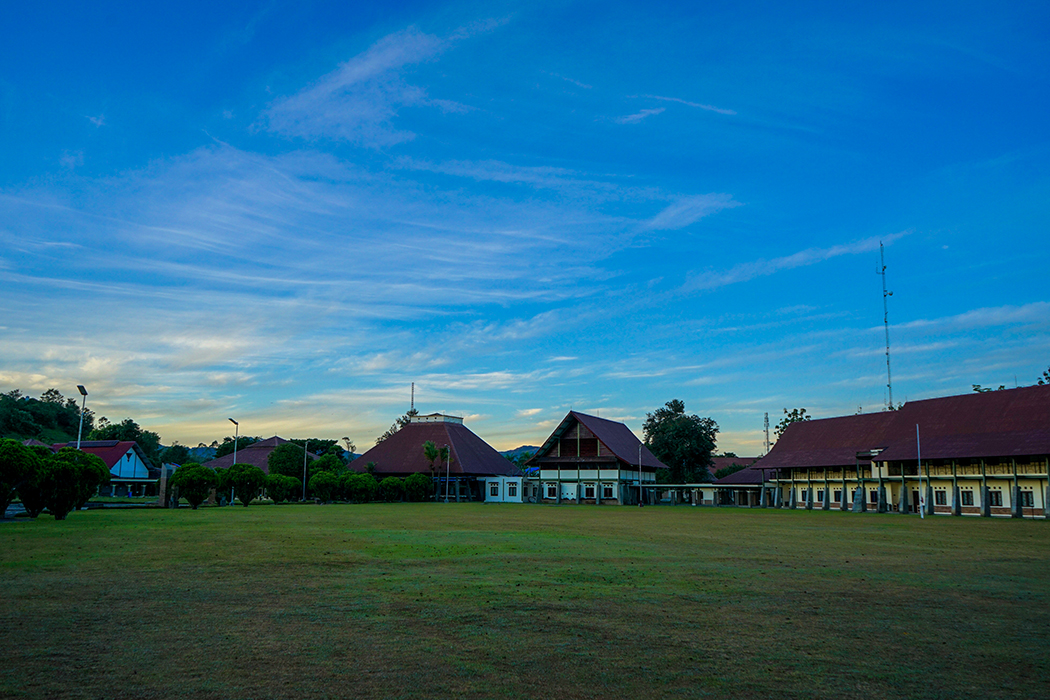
x=767, y=432
x=886, y=323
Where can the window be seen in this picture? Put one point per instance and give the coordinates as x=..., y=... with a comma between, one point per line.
x=494, y=488
x=873, y=496
x=820, y=496
x=805, y=495
x=588, y=491
x=552, y=491
x=838, y=495
x=967, y=497
x=995, y=498
x=940, y=498
x=512, y=490
x=607, y=491
x=1027, y=499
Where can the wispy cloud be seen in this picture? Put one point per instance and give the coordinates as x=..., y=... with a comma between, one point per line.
x=709, y=108
x=687, y=210
x=358, y=102
x=100, y=120
x=577, y=83
x=639, y=116
x=761, y=268
x=1034, y=313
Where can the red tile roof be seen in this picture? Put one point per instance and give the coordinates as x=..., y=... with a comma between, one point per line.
x=402, y=453
x=257, y=454
x=1007, y=423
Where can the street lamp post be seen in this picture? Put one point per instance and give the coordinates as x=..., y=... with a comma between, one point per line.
x=305, y=446
x=236, y=437
x=83, y=403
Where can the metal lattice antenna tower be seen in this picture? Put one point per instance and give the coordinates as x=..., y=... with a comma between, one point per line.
x=412, y=406
x=886, y=323
x=767, y=432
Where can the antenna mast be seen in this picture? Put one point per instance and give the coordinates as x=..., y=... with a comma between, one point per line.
x=886, y=322
x=413, y=404
x=767, y=432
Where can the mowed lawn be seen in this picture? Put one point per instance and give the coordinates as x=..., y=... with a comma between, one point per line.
x=476, y=601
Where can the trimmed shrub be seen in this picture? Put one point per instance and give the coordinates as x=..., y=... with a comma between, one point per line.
x=325, y=486
x=194, y=483
x=391, y=488
x=283, y=488
x=247, y=481
x=417, y=486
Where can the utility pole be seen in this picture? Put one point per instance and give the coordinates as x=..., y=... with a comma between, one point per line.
x=886, y=322
x=767, y=432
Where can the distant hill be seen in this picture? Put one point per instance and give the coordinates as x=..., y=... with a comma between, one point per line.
x=519, y=451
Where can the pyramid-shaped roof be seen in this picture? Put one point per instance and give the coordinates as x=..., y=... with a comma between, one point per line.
x=402, y=452
x=256, y=454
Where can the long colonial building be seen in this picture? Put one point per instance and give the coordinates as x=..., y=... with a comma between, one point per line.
x=593, y=460
x=984, y=454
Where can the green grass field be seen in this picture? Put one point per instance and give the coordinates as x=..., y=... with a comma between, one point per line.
x=471, y=600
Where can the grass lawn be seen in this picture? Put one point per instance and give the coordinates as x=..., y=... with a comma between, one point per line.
x=471, y=600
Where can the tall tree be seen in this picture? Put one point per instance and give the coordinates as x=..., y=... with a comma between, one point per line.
x=247, y=481
x=1045, y=379
x=398, y=424
x=795, y=415
x=682, y=441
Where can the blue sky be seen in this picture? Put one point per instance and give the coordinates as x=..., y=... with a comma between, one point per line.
x=287, y=212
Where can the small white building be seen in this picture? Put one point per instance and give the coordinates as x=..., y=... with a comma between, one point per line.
x=504, y=489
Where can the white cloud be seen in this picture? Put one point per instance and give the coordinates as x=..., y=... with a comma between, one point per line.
x=358, y=102
x=761, y=268
x=98, y=121
x=687, y=210
x=638, y=116
x=709, y=108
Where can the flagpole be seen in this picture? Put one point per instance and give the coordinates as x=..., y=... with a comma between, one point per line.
x=922, y=491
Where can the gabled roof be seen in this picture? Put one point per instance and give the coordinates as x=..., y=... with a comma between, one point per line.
x=112, y=452
x=1007, y=423
x=402, y=452
x=612, y=434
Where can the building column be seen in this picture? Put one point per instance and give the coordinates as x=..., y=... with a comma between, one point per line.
x=956, y=505
x=1016, y=509
x=904, y=503
x=809, y=498
x=859, y=499
x=986, y=507
x=883, y=506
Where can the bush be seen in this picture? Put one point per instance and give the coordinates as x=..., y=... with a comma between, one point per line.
x=194, y=483
x=360, y=488
x=247, y=481
x=325, y=486
x=391, y=488
x=283, y=488
x=416, y=486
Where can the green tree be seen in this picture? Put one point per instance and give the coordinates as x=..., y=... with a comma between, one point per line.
x=226, y=448
x=982, y=389
x=247, y=480
x=398, y=425
x=726, y=471
x=176, y=454
x=67, y=477
x=17, y=463
x=1045, y=379
x=391, y=488
x=328, y=462
x=325, y=486
x=795, y=415
x=360, y=488
x=417, y=486
x=30, y=491
x=194, y=483
x=287, y=459
x=283, y=488
x=681, y=441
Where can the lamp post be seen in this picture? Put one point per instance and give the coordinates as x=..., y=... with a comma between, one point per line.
x=305, y=446
x=236, y=436
x=83, y=403
x=448, y=469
